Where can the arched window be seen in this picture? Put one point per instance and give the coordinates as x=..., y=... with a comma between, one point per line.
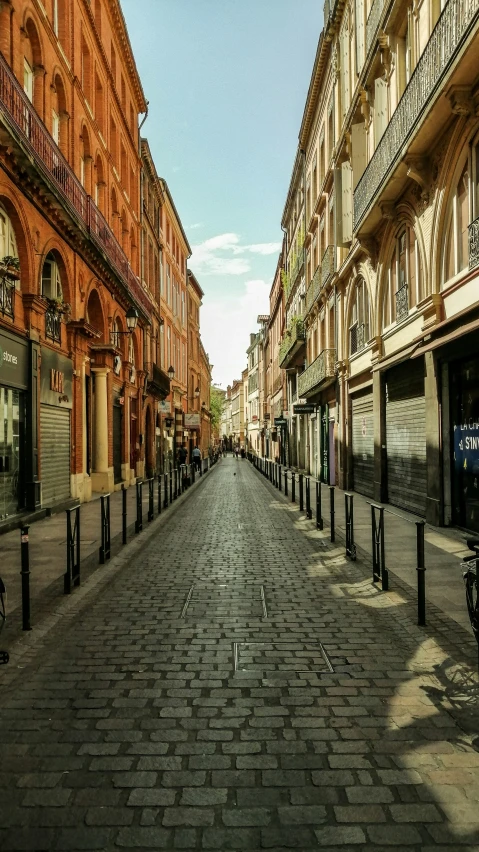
x=115, y=214
x=99, y=189
x=33, y=78
x=404, y=287
x=60, y=115
x=359, y=329
x=85, y=160
x=133, y=251
x=8, y=243
x=125, y=233
x=59, y=20
x=457, y=249
x=51, y=279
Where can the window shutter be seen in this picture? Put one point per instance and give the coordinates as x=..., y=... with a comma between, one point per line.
x=359, y=151
x=347, y=194
x=359, y=35
x=380, y=108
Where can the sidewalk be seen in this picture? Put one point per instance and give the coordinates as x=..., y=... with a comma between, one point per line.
x=444, y=548
x=48, y=554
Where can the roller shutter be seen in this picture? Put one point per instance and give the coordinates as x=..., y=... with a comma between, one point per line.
x=55, y=449
x=406, y=437
x=363, y=444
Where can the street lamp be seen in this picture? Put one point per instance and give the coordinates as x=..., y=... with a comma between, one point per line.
x=171, y=373
x=131, y=318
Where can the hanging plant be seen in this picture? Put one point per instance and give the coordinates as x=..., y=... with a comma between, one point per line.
x=10, y=268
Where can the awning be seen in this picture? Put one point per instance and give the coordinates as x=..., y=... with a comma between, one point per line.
x=397, y=358
x=446, y=338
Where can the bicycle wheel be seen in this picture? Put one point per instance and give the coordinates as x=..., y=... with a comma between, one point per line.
x=472, y=600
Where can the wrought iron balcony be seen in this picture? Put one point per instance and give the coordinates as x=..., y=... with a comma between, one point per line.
x=296, y=268
x=313, y=289
x=456, y=21
x=277, y=385
x=402, y=303
x=372, y=23
x=7, y=298
x=320, y=372
x=328, y=265
x=20, y=117
x=158, y=383
x=357, y=338
x=292, y=342
x=474, y=244
x=53, y=325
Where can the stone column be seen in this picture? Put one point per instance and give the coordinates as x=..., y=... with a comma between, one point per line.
x=102, y=476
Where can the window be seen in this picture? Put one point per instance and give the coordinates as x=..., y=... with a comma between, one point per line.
x=359, y=327
x=56, y=127
x=55, y=17
x=168, y=284
x=113, y=141
x=123, y=166
x=404, y=281
x=183, y=315
x=168, y=343
x=86, y=70
x=8, y=243
x=162, y=346
x=123, y=93
x=132, y=120
x=457, y=248
x=113, y=63
x=28, y=80
x=51, y=281
x=99, y=103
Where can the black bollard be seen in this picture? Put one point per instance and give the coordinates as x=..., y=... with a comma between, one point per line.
x=301, y=493
x=25, y=575
x=421, y=575
x=123, y=514
x=159, y=493
x=319, y=517
x=309, y=513
x=285, y=482
x=331, y=511
x=293, y=488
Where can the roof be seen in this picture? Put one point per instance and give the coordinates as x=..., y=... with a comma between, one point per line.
x=127, y=52
x=192, y=279
x=167, y=192
x=151, y=168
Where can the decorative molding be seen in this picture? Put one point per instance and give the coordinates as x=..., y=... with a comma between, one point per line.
x=461, y=100
x=388, y=210
x=419, y=169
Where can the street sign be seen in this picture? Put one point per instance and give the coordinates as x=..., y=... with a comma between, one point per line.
x=280, y=421
x=308, y=408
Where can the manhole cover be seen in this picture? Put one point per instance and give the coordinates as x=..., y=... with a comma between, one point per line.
x=281, y=658
x=226, y=600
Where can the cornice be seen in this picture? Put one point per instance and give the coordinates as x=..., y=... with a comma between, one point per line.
x=124, y=39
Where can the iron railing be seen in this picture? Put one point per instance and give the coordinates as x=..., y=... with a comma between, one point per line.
x=402, y=303
x=328, y=265
x=294, y=334
x=7, y=298
x=314, y=289
x=357, y=338
x=22, y=119
x=457, y=19
x=53, y=325
x=322, y=368
x=474, y=244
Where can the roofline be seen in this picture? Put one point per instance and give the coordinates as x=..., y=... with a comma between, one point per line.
x=195, y=283
x=148, y=158
x=122, y=31
x=166, y=190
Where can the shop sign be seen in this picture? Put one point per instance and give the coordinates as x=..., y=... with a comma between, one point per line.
x=192, y=421
x=56, y=379
x=307, y=408
x=280, y=421
x=164, y=406
x=13, y=362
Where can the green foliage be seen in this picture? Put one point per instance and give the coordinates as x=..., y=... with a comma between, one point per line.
x=216, y=406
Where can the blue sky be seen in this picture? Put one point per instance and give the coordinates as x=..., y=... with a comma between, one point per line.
x=226, y=82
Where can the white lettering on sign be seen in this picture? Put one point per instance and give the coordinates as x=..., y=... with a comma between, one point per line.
x=56, y=381
x=472, y=443
x=9, y=358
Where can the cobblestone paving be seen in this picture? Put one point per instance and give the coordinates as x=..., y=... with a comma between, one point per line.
x=239, y=686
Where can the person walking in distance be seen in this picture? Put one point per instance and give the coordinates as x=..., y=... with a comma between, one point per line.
x=197, y=457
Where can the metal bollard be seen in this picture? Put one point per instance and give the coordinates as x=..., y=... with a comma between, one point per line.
x=285, y=483
x=139, y=507
x=123, y=514
x=175, y=492
x=331, y=511
x=319, y=517
x=159, y=493
x=72, y=574
x=301, y=493
x=293, y=488
x=151, y=509
x=165, y=498
x=421, y=575
x=280, y=483
x=349, y=516
x=380, y=572
x=171, y=485
x=193, y=473
x=25, y=575
x=105, y=528
x=309, y=513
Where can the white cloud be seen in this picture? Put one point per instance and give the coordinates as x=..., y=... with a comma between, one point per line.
x=219, y=255
x=226, y=325
x=195, y=226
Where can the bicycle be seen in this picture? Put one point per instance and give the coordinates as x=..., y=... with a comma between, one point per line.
x=471, y=583
x=4, y=658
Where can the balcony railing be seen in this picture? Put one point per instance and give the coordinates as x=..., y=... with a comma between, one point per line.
x=7, y=298
x=158, y=380
x=297, y=265
x=372, y=24
x=328, y=265
x=277, y=384
x=357, y=338
x=474, y=244
x=294, y=335
x=322, y=368
x=53, y=325
x=402, y=303
x=454, y=24
x=313, y=289
x=22, y=119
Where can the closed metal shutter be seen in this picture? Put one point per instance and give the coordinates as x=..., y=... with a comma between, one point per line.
x=363, y=444
x=55, y=449
x=406, y=437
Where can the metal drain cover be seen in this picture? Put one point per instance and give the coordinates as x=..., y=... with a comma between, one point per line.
x=225, y=600
x=281, y=658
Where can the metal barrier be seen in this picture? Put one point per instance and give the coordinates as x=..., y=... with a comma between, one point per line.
x=124, y=533
x=151, y=493
x=309, y=513
x=331, y=513
x=319, y=517
x=349, y=515
x=301, y=492
x=25, y=575
x=105, y=547
x=293, y=488
x=421, y=574
x=72, y=575
x=139, y=507
x=380, y=572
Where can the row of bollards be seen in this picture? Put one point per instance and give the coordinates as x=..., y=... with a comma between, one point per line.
x=301, y=484
x=173, y=484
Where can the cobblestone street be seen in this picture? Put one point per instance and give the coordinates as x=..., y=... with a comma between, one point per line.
x=236, y=684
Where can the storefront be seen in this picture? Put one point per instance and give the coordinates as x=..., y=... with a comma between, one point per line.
x=56, y=402
x=13, y=401
x=118, y=418
x=362, y=434
x=464, y=400
x=406, y=436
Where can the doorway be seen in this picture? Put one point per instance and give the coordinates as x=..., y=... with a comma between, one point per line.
x=12, y=451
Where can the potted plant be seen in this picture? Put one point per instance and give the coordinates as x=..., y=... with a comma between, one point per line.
x=10, y=268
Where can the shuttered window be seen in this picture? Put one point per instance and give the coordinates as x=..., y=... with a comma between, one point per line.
x=55, y=454
x=363, y=444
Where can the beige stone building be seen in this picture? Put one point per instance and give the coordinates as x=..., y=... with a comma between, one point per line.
x=382, y=258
